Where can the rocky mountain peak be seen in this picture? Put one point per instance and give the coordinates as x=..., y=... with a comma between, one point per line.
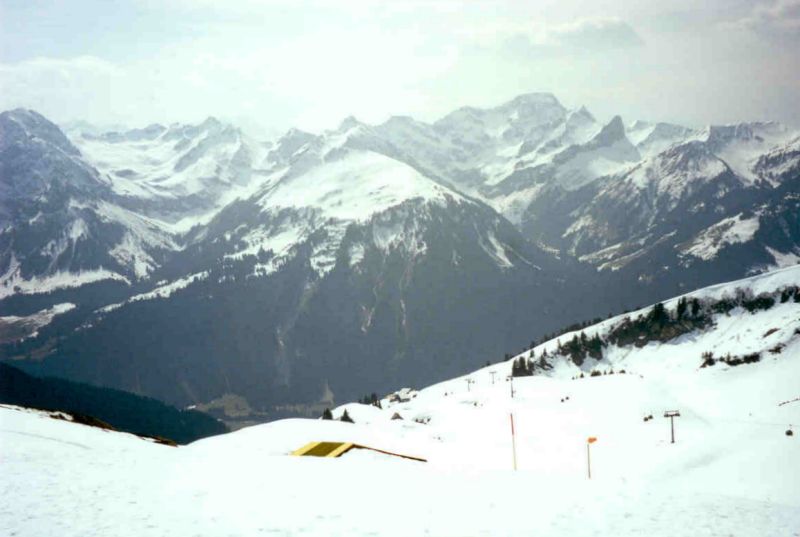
x=21, y=125
x=613, y=131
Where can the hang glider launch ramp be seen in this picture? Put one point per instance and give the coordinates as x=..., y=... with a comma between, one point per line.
x=337, y=449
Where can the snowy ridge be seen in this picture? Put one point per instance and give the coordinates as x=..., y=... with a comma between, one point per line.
x=608, y=152
x=742, y=144
x=12, y=281
x=17, y=328
x=780, y=162
x=653, y=138
x=723, y=337
x=329, y=187
x=733, y=230
x=162, y=291
x=354, y=188
x=178, y=176
x=783, y=259
x=167, y=162
x=685, y=197
x=677, y=170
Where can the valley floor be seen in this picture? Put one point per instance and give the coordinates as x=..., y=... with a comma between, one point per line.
x=733, y=471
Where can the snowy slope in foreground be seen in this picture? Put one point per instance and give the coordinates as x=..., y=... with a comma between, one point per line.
x=732, y=471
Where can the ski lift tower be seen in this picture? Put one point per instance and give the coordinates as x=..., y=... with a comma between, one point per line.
x=672, y=414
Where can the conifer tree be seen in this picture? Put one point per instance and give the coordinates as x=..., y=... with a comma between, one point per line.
x=695, y=307
x=682, y=304
x=658, y=314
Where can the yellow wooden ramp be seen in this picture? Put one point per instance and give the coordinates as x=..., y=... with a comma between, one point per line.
x=337, y=449
x=323, y=449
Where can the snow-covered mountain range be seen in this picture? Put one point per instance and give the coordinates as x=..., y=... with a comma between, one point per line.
x=598, y=191
x=725, y=357
x=368, y=255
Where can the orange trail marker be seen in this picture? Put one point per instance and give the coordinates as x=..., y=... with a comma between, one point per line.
x=589, y=441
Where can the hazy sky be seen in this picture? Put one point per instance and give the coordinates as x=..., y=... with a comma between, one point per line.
x=273, y=64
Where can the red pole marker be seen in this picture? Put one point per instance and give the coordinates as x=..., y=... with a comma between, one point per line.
x=513, y=442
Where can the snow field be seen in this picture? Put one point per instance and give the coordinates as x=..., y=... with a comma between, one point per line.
x=730, y=472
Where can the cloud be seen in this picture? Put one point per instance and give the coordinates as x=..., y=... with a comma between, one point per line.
x=310, y=80
x=775, y=19
x=52, y=85
x=309, y=63
x=580, y=37
x=596, y=34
